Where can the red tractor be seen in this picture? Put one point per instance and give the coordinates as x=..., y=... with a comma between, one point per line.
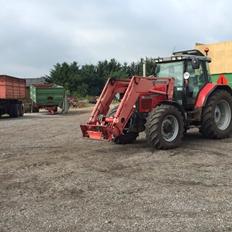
x=179, y=96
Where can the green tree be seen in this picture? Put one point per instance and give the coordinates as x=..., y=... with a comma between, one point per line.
x=67, y=75
x=89, y=79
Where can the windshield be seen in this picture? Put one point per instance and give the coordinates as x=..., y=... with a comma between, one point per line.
x=172, y=69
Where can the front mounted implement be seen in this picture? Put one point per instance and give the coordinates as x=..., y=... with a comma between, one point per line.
x=141, y=92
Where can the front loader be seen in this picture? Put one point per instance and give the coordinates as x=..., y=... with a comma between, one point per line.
x=180, y=95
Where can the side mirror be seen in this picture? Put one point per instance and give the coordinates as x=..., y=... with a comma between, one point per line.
x=195, y=63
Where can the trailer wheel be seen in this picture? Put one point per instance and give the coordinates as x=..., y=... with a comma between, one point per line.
x=216, y=116
x=21, y=109
x=127, y=137
x=14, y=111
x=164, y=127
x=35, y=109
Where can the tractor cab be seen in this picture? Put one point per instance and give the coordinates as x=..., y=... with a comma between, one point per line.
x=190, y=71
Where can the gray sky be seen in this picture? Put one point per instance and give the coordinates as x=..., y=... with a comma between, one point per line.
x=36, y=34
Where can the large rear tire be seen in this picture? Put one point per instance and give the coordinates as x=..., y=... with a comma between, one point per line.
x=127, y=137
x=216, y=116
x=21, y=109
x=164, y=127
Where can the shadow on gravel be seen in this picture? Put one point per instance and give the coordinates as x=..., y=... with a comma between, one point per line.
x=5, y=118
x=79, y=112
x=26, y=117
x=141, y=146
x=193, y=142
x=134, y=148
x=193, y=136
x=42, y=115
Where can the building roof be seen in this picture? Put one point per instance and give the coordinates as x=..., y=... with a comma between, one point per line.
x=31, y=81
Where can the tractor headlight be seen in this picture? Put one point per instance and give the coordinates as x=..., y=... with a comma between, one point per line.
x=173, y=58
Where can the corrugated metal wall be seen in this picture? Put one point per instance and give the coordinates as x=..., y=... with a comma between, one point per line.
x=12, y=87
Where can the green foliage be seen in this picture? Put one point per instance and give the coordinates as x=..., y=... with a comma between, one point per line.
x=90, y=79
x=67, y=75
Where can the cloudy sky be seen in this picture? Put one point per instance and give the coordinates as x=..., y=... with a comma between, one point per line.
x=36, y=34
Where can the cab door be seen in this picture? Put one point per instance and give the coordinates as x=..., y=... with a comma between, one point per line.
x=198, y=77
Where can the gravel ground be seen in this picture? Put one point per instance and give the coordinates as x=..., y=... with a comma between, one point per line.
x=51, y=179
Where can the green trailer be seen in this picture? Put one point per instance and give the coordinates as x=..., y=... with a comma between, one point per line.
x=228, y=77
x=49, y=97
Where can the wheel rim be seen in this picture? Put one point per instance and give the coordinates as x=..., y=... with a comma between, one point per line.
x=170, y=128
x=222, y=115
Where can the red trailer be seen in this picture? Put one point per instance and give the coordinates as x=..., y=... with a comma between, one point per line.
x=12, y=92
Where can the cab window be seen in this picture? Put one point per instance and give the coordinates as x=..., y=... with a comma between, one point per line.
x=173, y=69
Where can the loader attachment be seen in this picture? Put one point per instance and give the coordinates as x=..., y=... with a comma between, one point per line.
x=100, y=126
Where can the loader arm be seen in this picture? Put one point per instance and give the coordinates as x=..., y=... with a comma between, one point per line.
x=100, y=126
x=109, y=91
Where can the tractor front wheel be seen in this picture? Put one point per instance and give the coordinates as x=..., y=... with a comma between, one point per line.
x=165, y=127
x=216, y=116
x=127, y=136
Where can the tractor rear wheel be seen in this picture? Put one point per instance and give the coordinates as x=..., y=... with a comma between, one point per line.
x=165, y=127
x=127, y=137
x=216, y=116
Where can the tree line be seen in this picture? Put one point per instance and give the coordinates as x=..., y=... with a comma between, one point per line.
x=89, y=79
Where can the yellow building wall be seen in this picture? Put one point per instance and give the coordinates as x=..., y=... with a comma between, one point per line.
x=221, y=55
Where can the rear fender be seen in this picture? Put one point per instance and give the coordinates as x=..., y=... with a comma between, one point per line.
x=207, y=91
x=203, y=95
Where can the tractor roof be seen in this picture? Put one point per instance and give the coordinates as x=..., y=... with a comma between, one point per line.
x=184, y=55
